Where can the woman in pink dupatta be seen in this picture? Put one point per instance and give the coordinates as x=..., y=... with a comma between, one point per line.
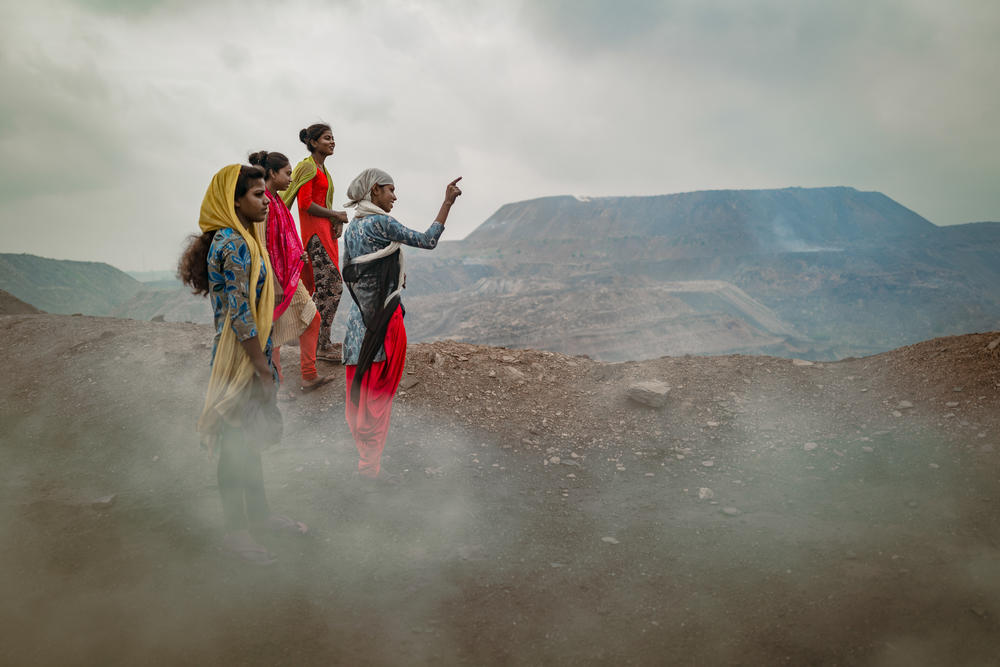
x=295, y=314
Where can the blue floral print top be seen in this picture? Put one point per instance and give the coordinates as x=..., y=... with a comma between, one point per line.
x=228, y=282
x=371, y=234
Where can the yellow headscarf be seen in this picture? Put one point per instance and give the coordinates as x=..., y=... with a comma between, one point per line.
x=304, y=172
x=232, y=370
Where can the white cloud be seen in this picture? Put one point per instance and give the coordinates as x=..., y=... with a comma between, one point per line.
x=123, y=111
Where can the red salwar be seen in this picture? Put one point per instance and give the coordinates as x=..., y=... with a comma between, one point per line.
x=369, y=419
x=307, y=352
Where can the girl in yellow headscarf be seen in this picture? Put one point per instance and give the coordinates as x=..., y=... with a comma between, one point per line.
x=229, y=263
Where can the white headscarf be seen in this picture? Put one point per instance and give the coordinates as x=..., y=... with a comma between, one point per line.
x=360, y=191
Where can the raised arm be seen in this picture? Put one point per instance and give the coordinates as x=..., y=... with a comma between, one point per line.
x=393, y=230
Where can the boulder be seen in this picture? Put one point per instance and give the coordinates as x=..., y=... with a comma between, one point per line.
x=650, y=392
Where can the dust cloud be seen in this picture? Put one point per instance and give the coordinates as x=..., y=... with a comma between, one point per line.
x=832, y=532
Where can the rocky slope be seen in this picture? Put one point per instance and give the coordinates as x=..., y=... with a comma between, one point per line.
x=63, y=286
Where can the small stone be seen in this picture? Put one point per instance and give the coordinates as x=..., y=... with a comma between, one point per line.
x=711, y=423
x=994, y=344
x=934, y=466
x=801, y=362
x=912, y=504
x=904, y=405
x=408, y=382
x=951, y=404
x=104, y=502
x=555, y=459
x=507, y=359
x=809, y=446
x=708, y=464
x=897, y=413
x=731, y=511
x=705, y=493
x=868, y=449
x=514, y=373
x=650, y=474
x=957, y=389
x=571, y=476
x=609, y=540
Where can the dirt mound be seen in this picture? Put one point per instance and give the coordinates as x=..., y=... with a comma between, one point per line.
x=772, y=511
x=11, y=305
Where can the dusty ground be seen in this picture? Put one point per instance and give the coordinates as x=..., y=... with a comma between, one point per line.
x=771, y=513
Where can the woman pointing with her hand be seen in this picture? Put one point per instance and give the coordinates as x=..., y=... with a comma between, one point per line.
x=375, y=342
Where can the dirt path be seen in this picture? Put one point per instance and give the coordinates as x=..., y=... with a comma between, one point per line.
x=770, y=513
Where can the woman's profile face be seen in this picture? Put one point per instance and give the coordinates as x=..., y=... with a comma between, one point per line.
x=282, y=178
x=325, y=144
x=252, y=206
x=383, y=196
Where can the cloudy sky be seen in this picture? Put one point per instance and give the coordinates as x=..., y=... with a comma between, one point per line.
x=116, y=113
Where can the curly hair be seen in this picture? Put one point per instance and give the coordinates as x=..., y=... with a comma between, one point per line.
x=192, y=269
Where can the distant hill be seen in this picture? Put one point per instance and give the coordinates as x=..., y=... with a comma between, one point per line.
x=65, y=287
x=851, y=273
x=11, y=305
x=817, y=273
x=704, y=224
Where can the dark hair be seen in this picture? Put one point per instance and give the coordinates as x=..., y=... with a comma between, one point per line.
x=192, y=269
x=312, y=133
x=269, y=161
x=248, y=174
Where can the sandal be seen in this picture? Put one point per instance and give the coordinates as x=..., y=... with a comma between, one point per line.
x=279, y=523
x=249, y=551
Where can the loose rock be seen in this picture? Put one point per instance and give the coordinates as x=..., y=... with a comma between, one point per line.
x=651, y=392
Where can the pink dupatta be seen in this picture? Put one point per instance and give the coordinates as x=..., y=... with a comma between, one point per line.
x=285, y=248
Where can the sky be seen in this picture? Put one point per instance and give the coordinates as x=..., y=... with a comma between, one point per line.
x=116, y=113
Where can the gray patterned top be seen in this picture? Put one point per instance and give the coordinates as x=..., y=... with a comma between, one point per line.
x=367, y=235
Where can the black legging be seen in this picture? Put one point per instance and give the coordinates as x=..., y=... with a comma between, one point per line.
x=241, y=480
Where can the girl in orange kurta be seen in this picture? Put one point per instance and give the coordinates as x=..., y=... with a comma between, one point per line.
x=320, y=226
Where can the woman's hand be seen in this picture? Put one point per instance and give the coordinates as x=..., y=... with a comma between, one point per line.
x=452, y=192
x=339, y=217
x=270, y=388
x=304, y=257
